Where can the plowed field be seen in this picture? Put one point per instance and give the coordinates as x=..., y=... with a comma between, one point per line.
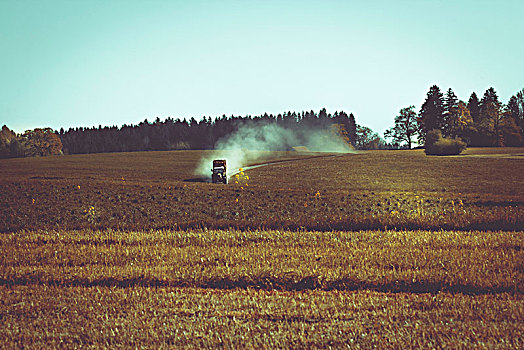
x=387, y=249
x=158, y=190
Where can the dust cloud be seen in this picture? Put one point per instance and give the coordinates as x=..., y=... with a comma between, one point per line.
x=248, y=142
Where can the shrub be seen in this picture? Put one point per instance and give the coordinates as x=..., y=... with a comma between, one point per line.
x=181, y=145
x=438, y=145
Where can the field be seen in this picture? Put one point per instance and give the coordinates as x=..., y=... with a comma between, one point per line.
x=158, y=190
x=391, y=249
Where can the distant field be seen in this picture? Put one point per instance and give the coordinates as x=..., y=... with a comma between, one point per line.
x=367, y=190
x=387, y=249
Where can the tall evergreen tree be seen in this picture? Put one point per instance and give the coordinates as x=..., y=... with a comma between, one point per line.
x=352, y=129
x=474, y=108
x=490, y=96
x=488, y=125
x=431, y=113
x=512, y=123
x=513, y=108
x=519, y=107
x=450, y=112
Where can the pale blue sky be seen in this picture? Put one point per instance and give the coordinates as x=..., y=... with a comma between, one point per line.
x=85, y=63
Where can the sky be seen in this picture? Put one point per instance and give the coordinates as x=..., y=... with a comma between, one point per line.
x=91, y=62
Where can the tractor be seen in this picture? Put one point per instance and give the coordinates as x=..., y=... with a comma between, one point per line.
x=219, y=171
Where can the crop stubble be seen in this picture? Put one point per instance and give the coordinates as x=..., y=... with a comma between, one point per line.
x=233, y=288
x=49, y=316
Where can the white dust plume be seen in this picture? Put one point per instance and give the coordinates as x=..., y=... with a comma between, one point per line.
x=245, y=144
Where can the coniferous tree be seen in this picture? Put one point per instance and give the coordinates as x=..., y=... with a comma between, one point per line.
x=349, y=125
x=474, y=108
x=512, y=132
x=490, y=96
x=450, y=112
x=431, y=113
x=352, y=129
x=513, y=108
x=516, y=108
x=520, y=102
x=488, y=125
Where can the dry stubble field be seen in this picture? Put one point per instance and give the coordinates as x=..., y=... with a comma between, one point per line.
x=387, y=248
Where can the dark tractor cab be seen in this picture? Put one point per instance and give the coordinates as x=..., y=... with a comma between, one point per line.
x=219, y=174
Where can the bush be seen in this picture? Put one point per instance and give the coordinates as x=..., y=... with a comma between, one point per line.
x=181, y=145
x=438, y=145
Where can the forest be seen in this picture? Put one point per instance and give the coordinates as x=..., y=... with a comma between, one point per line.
x=177, y=134
x=479, y=123
x=184, y=134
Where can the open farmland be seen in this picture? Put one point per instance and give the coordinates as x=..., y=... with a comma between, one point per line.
x=387, y=248
x=369, y=190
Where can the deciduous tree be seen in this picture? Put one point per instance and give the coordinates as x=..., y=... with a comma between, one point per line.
x=461, y=123
x=405, y=128
x=510, y=132
x=41, y=142
x=368, y=139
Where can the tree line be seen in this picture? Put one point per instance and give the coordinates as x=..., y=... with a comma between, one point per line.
x=183, y=134
x=481, y=123
x=485, y=122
